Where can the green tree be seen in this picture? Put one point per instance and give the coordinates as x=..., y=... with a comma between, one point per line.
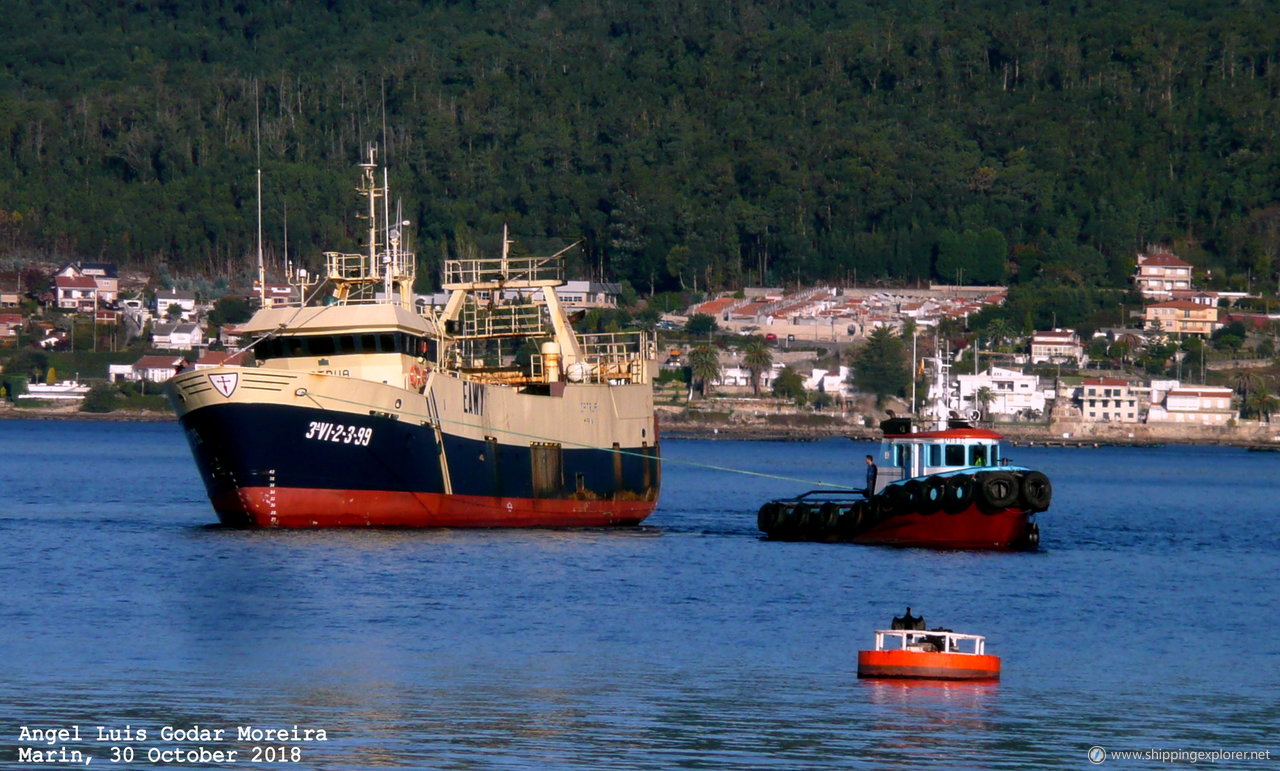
x=1262, y=403
x=758, y=359
x=1000, y=331
x=30, y=362
x=790, y=385
x=984, y=397
x=701, y=324
x=173, y=312
x=232, y=309
x=880, y=365
x=704, y=366
x=102, y=397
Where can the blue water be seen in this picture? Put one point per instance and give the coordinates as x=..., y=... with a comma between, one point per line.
x=1147, y=620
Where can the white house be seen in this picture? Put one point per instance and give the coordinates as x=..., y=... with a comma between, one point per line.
x=1014, y=391
x=828, y=382
x=77, y=293
x=1172, y=402
x=157, y=369
x=106, y=284
x=1057, y=346
x=1108, y=400
x=740, y=377
x=176, y=337
x=185, y=300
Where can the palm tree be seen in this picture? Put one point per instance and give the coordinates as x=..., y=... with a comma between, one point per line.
x=984, y=397
x=1262, y=402
x=1245, y=381
x=704, y=366
x=1000, y=331
x=758, y=360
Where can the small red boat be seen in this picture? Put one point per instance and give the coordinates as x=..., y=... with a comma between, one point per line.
x=908, y=650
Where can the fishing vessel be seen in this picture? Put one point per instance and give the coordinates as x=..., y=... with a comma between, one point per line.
x=942, y=482
x=362, y=408
x=907, y=650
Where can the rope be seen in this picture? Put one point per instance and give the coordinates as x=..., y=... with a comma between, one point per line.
x=536, y=437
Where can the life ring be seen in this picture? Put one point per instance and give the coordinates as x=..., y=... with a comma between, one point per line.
x=417, y=378
x=960, y=491
x=1036, y=491
x=997, y=490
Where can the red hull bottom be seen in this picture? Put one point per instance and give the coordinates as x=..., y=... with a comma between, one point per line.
x=295, y=507
x=927, y=666
x=969, y=529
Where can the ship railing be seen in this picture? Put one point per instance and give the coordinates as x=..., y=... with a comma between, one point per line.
x=363, y=279
x=608, y=357
x=510, y=320
x=494, y=272
x=939, y=640
x=349, y=267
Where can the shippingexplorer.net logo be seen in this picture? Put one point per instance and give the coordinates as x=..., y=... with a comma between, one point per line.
x=1099, y=755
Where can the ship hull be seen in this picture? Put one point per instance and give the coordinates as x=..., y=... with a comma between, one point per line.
x=919, y=665
x=284, y=459
x=972, y=528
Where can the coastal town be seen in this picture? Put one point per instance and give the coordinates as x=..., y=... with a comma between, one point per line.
x=1054, y=383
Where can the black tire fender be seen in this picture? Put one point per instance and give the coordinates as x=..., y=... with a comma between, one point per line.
x=933, y=491
x=997, y=490
x=1037, y=491
x=961, y=489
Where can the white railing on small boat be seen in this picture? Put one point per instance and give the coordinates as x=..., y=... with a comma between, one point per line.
x=924, y=639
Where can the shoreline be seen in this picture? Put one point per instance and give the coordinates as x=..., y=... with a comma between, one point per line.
x=9, y=412
x=1055, y=434
x=671, y=426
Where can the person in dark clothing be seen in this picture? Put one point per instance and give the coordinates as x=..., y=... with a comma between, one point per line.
x=871, y=476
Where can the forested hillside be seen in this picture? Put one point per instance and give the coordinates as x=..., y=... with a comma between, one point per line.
x=689, y=142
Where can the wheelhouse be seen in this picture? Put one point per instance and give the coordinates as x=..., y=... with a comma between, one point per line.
x=936, y=452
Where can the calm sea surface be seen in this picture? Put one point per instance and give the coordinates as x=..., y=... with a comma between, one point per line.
x=1149, y=619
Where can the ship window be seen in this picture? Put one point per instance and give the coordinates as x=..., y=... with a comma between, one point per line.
x=955, y=455
x=387, y=343
x=347, y=344
x=320, y=346
x=935, y=455
x=904, y=456
x=293, y=346
x=267, y=349
x=977, y=455
x=369, y=343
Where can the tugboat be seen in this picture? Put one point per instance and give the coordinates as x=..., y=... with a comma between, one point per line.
x=908, y=650
x=944, y=485
x=364, y=408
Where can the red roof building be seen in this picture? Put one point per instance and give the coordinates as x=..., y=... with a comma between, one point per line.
x=1159, y=275
x=77, y=293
